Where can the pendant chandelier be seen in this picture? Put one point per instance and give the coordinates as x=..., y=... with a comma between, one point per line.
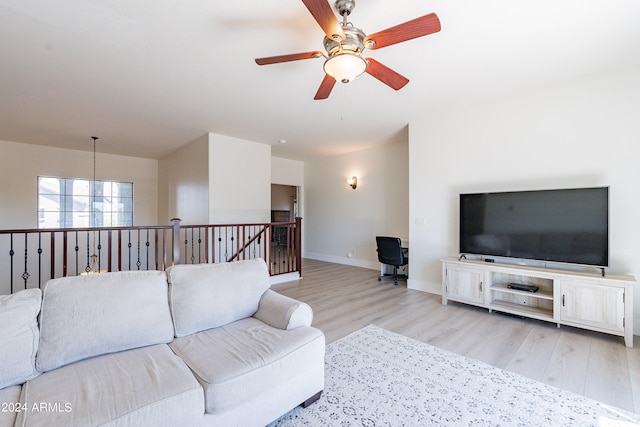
x=92, y=263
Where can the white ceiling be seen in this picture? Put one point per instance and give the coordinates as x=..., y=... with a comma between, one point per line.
x=150, y=76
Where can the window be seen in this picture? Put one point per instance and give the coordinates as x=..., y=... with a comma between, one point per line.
x=83, y=203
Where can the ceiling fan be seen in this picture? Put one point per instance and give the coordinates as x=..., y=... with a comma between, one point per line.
x=345, y=45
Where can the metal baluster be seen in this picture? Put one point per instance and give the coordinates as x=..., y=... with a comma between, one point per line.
x=65, y=244
x=234, y=241
x=253, y=244
x=129, y=245
x=241, y=242
x=199, y=244
x=226, y=242
x=164, y=249
x=109, y=250
x=289, y=247
x=25, y=274
x=39, y=259
x=11, y=253
x=219, y=245
x=119, y=250
x=186, y=241
x=207, y=242
x=99, y=250
x=147, y=243
x=138, y=263
x=193, y=250
x=52, y=255
x=273, y=247
x=77, y=249
x=88, y=267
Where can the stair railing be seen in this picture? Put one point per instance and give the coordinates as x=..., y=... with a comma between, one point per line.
x=34, y=256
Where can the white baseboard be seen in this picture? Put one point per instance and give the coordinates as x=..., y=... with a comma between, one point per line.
x=419, y=285
x=281, y=278
x=343, y=260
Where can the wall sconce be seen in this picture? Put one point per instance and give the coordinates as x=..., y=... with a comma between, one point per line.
x=353, y=182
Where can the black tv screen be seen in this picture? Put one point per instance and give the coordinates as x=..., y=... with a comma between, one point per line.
x=568, y=225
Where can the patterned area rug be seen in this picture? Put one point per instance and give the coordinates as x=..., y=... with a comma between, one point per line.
x=378, y=378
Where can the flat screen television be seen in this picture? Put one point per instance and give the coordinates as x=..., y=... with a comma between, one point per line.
x=567, y=225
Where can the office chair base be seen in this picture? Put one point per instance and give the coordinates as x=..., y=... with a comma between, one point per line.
x=394, y=277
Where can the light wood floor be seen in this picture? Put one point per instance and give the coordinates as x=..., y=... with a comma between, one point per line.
x=345, y=299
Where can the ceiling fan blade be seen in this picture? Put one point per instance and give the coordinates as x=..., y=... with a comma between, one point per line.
x=415, y=28
x=325, y=87
x=386, y=75
x=323, y=14
x=287, y=58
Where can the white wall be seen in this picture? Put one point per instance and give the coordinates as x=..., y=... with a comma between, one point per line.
x=340, y=224
x=21, y=164
x=184, y=183
x=581, y=134
x=287, y=172
x=239, y=180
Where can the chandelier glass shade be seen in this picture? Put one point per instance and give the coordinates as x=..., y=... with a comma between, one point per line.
x=345, y=66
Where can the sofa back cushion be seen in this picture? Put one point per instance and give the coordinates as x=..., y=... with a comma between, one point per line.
x=19, y=336
x=205, y=296
x=86, y=316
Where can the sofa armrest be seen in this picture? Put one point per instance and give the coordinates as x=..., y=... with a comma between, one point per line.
x=283, y=312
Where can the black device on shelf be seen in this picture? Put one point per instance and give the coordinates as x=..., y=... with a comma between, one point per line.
x=522, y=287
x=566, y=225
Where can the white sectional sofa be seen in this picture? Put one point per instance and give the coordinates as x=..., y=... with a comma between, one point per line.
x=197, y=345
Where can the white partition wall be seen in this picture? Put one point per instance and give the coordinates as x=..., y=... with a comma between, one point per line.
x=574, y=135
x=239, y=180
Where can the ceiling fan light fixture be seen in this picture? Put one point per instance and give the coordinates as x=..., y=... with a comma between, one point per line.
x=345, y=66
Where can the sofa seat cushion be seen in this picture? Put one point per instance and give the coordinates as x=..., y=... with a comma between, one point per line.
x=19, y=336
x=9, y=399
x=241, y=360
x=86, y=316
x=148, y=386
x=205, y=296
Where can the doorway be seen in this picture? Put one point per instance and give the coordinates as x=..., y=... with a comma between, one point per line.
x=284, y=203
x=284, y=208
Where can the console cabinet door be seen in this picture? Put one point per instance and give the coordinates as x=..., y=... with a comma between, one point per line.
x=592, y=305
x=465, y=284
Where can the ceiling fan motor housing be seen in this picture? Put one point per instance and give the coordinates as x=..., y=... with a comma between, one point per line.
x=353, y=41
x=345, y=6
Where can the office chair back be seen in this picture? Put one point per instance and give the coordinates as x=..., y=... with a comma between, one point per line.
x=390, y=251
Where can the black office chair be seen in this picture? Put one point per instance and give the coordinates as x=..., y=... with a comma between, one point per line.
x=390, y=252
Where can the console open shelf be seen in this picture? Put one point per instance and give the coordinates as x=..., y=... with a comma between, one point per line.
x=522, y=310
x=581, y=299
x=539, y=294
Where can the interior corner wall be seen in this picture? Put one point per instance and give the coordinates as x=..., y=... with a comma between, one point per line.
x=239, y=180
x=584, y=133
x=21, y=164
x=340, y=223
x=183, y=181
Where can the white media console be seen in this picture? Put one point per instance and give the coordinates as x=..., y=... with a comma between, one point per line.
x=584, y=300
